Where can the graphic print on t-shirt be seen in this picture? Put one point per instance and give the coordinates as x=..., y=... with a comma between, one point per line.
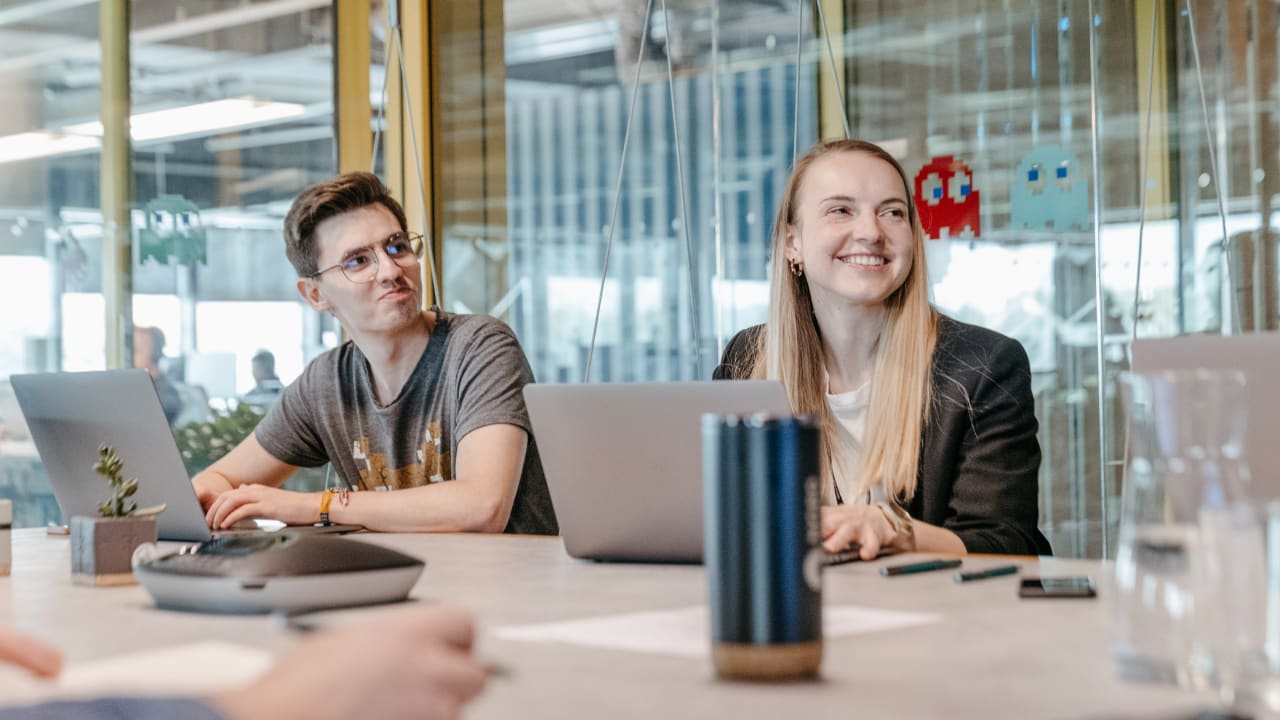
x=431, y=456
x=433, y=464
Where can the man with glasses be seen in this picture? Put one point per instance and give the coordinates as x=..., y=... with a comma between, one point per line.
x=426, y=404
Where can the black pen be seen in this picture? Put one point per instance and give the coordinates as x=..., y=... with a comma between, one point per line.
x=963, y=577
x=912, y=568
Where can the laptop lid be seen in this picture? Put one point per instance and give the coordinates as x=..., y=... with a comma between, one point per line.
x=1255, y=355
x=71, y=414
x=624, y=461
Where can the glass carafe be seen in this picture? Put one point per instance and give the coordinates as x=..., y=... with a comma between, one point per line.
x=1185, y=473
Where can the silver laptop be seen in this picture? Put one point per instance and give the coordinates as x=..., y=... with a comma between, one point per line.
x=1254, y=354
x=71, y=414
x=624, y=461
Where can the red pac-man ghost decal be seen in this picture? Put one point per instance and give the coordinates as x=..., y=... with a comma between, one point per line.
x=947, y=200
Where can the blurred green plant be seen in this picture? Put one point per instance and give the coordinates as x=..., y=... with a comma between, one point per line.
x=109, y=466
x=202, y=443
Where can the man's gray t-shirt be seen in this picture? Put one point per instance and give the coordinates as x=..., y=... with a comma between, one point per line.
x=471, y=375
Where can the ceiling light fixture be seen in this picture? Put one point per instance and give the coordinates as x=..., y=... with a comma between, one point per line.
x=199, y=119
x=188, y=120
x=42, y=143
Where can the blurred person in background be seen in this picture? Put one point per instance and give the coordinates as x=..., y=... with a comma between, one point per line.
x=266, y=385
x=148, y=350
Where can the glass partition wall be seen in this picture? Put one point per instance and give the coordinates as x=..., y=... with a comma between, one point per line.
x=231, y=113
x=1055, y=134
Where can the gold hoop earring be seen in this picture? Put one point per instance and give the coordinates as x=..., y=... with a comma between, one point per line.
x=797, y=268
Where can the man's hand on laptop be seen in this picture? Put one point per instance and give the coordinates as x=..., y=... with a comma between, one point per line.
x=208, y=487
x=262, y=501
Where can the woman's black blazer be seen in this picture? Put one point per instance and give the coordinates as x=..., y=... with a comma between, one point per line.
x=980, y=459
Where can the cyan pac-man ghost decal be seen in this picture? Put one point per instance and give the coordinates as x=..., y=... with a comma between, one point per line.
x=1049, y=188
x=948, y=203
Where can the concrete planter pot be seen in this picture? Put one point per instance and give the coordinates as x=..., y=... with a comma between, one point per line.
x=102, y=548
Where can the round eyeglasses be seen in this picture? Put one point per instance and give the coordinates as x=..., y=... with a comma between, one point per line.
x=361, y=265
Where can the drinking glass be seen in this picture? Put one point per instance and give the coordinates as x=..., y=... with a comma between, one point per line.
x=1185, y=475
x=1244, y=546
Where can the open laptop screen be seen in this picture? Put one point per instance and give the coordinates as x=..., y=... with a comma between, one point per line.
x=624, y=461
x=71, y=414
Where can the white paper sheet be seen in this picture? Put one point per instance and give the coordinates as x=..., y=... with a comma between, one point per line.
x=686, y=631
x=192, y=669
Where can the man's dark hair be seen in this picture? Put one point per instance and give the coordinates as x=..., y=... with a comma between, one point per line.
x=324, y=200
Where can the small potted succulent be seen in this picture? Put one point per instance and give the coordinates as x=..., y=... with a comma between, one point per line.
x=102, y=547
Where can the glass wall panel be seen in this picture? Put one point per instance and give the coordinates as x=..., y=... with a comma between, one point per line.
x=570, y=90
x=232, y=114
x=49, y=77
x=1061, y=136
x=1001, y=95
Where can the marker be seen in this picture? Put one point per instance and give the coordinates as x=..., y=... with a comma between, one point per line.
x=913, y=568
x=963, y=577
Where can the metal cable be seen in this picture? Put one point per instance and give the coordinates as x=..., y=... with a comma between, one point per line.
x=1142, y=224
x=617, y=193
x=417, y=164
x=716, y=180
x=684, y=208
x=382, y=109
x=835, y=77
x=1213, y=164
x=1099, y=297
x=795, y=109
x=1142, y=187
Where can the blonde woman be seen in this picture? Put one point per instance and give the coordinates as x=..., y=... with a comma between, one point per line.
x=928, y=424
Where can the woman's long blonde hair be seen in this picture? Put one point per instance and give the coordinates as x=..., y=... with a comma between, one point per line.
x=790, y=349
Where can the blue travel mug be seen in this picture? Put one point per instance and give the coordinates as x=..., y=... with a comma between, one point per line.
x=763, y=545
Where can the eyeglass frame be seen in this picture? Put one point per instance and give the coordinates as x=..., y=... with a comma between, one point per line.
x=415, y=253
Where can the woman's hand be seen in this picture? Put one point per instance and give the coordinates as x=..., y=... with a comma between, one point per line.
x=867, y=525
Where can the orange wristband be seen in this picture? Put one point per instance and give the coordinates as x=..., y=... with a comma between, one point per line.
x=325, y=501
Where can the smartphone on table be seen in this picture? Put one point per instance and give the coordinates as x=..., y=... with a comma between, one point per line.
x=1057, y=587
